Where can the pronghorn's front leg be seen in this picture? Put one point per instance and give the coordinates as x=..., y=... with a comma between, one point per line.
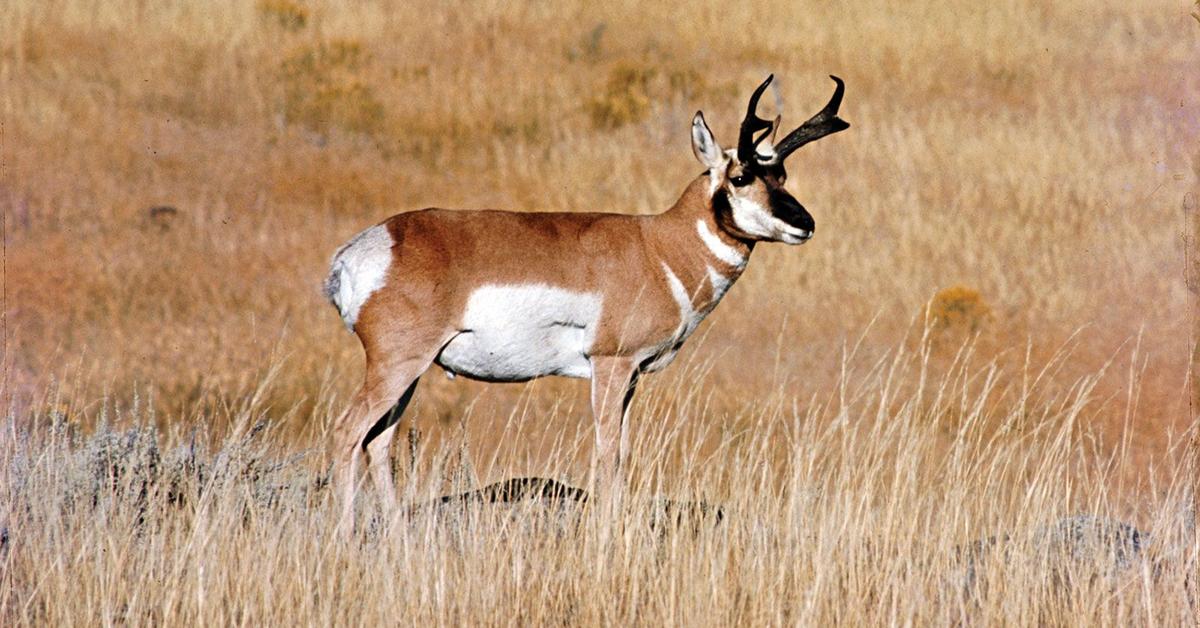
x=613, y=382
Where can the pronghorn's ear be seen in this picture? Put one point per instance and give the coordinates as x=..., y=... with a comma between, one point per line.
x=707, y=150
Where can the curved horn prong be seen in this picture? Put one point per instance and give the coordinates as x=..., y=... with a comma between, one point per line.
x=826, y=122
x=752, y=124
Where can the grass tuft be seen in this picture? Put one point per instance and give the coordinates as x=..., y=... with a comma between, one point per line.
x=286, y=14
x=959, y=308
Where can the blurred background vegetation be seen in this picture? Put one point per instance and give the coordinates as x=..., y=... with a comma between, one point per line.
x=175, y=175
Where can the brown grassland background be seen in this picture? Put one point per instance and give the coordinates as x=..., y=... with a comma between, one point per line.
x=992, y=329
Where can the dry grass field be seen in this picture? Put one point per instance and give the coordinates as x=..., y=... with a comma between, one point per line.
x=953, y=406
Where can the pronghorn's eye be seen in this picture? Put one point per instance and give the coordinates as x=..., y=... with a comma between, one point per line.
x=742, y=180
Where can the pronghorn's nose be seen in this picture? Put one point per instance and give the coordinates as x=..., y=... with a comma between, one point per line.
x=789, y=210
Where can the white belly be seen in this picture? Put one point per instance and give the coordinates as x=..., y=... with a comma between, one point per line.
x=515, y=333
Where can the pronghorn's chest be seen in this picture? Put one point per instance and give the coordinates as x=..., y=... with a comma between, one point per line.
x=694, y=303
x=519, y=332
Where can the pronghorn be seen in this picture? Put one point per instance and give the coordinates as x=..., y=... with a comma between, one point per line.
x=507, y=296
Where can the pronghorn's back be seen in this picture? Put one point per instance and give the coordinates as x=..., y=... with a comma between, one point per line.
x=450, y=247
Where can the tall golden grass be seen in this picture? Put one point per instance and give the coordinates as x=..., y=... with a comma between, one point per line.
x=1011, y=196
x=887, y=503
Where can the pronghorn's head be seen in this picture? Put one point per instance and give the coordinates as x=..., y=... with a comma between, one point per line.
x=747, y=182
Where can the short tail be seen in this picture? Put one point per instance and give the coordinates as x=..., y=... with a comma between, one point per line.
x=333, y=286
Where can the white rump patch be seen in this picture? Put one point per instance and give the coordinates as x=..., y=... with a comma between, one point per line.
x=519, y=332
x=724, y=252
x=358, y=269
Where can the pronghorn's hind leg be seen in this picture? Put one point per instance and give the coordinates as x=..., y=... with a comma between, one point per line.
x=369, y=423
x=378, y=443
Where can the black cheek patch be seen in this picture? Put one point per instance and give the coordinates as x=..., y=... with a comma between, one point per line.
x=721, y=206
x=723, y=212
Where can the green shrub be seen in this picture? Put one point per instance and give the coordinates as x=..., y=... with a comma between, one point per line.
x=285, y=14
x=324, y=89
x=958, y=307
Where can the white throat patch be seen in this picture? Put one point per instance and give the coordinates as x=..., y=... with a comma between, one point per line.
x=723, y=251
x=687, y=315
x=720, y=285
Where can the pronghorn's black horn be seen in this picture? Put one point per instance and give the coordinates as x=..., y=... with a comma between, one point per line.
x=826, y=122
x=753, y=124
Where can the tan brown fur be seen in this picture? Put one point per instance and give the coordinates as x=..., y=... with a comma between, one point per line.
x=441, y=255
